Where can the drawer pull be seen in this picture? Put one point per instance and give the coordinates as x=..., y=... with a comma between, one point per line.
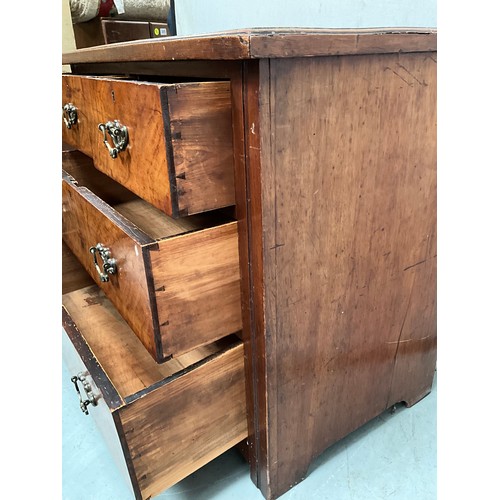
x=108, y=263
x=118, y=134
x=70, y=116
x=91, y=398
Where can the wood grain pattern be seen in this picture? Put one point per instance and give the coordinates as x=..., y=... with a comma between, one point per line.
x=87, y=220
x=346, y=224
x=322, y=44
x=210, y=47
x=202, y=149
x=79, y=136
x=262, y=43
x=245, y=103
x=193, y=418
x=197, y=284
x=335, y=184
x=415, y=361
x=155, y=223
x=249, y=210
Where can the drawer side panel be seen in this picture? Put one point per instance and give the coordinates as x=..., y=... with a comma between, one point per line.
x=193, y=419
x=200, y=130
x=197, y=284
x=74, y=275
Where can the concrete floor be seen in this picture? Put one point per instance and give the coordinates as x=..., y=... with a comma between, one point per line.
x=392, y=457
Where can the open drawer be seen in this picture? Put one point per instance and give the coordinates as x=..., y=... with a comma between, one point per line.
x=171, y=144
x=176, y=282
x=161, y=421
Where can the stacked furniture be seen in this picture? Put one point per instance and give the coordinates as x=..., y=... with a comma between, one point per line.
x=249, y=243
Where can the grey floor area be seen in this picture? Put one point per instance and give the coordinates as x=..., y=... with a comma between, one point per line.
x=391, y=457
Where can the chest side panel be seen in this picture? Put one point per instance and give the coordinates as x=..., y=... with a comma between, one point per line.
x=348, y=221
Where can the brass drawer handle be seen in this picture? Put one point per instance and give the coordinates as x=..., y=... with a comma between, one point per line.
x=91, y=397
x=118, y=134
x=70, y=116
x=108, y=263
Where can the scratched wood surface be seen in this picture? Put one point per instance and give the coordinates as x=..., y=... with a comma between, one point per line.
x=345, y=289
x=256, y=152
x=249, y=213
x=262, y=43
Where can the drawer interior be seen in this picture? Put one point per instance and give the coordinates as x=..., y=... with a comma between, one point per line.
x=142, y=214
x=122, y=356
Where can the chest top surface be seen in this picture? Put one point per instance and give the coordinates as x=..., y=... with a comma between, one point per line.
x=262, y=43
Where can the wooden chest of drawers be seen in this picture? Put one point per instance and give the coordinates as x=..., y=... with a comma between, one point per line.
x=325, y=142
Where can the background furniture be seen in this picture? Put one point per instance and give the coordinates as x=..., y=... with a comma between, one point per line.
x=91, y=22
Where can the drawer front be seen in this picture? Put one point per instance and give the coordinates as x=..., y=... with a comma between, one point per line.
x=176, y=293
x=167, y=429
x=77, y=116
x=142, y=166
x=178, y=154
x=88, y=221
